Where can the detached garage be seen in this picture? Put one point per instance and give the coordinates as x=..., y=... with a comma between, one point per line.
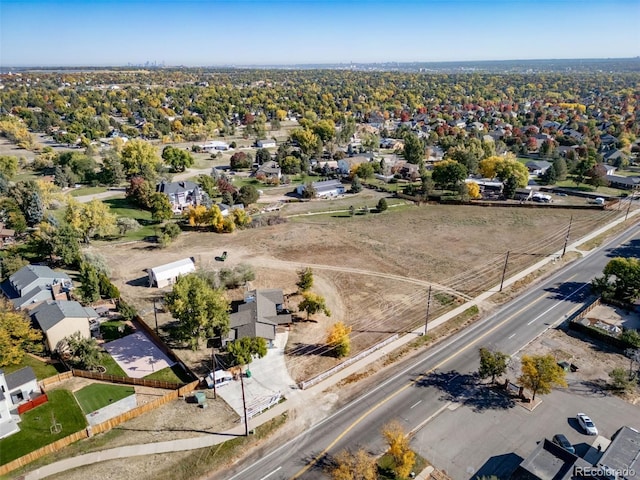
x=165, y=275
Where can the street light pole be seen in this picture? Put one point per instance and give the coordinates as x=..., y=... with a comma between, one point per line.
x=504, y=270
x=426, y=322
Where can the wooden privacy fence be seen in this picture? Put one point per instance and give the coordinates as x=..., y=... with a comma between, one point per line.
x=55, y=379
x=106, y=377
x=41, y=452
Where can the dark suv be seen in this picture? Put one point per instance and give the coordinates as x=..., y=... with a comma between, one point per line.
x=561, y=440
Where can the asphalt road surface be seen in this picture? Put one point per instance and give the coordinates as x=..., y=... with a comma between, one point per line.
x=440, y=379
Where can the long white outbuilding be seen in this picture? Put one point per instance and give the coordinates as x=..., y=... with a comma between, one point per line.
x=165, y=275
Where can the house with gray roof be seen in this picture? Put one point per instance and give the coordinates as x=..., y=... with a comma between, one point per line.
x=324, y=189
x=549, y=462
x=622, y=182
x=15, y=388
x=59, y=319
x=181, y=194
x=34, y=284
x=537, y=167
x=259, y=316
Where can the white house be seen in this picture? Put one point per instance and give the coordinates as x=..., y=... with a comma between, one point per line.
x=266, y=143
x=15, y=388
x=181, y=194
x=325, y=189
x=61, y=318
x=165, y=275
x=215, y=145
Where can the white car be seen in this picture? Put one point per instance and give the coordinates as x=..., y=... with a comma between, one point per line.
x=586, y=424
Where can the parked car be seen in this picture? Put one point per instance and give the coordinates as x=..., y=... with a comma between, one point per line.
x=586, y=424
x=561, y=440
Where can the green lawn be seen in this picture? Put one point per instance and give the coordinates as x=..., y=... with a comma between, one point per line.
x=112, y=330
x=79, y=192
x=41, y=369
x=98, y=395
x=35, y=427
x=112, y=367
x=173, y=374
x=584, y=187
x=122, y=208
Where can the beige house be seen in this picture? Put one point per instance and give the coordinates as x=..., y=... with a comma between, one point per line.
x=59, y=319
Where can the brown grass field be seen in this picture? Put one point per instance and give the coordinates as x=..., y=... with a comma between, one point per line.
x=374, y=270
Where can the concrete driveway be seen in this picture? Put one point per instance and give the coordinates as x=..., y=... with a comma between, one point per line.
x=468, y=442
x=269, y=378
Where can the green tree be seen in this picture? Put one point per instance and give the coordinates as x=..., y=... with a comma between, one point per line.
x=414, y=149
x=112, y=171
x=8, y=166
x=582, y=168
x=312, y=304
x=107, y=288
x=511, y=168
x=126, y=224
x=550, y=176
x=598, y=176
x=540, y=373
x=90, y=283
x=492, y=364
x=309, y=191
x=160, y=207
x=305, y=279
x=509, y=188
x=306, y=140
x=621, y=381
x=382, y=205
x=139, y=192
x=240, y=161
x=621, y=279
x=449, y=173
x=365, y=170
x=244, y=350
x=17, y=336
x=208, y=185
x=560, y=166
x=356, y=184
x=290, y=165
x=11, y=263
x=201, y=311
x=178, y=159
x=82, y=353
x=247, y=195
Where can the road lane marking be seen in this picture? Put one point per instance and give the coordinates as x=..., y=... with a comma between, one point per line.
x=429, y=418
x=317, y=458
x=511, y=336
x=415, y=404
x=275, y=471
x=555, y=304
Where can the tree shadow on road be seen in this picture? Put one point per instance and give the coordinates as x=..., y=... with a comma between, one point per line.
x=630, y=249
x=565, y=291
x=467, y=390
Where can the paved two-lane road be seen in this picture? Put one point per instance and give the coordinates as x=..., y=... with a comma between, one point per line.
x=425, y=388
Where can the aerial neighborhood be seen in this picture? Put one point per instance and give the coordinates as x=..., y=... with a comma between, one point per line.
x=200, y=255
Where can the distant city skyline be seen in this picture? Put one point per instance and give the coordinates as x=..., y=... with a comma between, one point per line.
x=280, y=32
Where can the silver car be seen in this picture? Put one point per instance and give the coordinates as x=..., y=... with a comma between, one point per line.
x=586, y=424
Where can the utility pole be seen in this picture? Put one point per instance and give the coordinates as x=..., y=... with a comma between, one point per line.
x=566, y=239
x=426, y=322
x=629, y=207
x=155, y=314
x=504, y=270
x=244, y=407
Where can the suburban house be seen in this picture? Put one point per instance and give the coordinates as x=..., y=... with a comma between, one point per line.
x=266, y=143
x=215, y=146
x=259, y=316
x=269, y=169
x=61, y=318
x=225, y=209
x=181, y=194
x=625, y=183
x=346, y=164
x=33, y=284
x=166, y=275
x=537, y=167
x=324, y=189
x=15, y=388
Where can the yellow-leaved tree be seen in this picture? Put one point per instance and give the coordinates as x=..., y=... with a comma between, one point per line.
x=339, y=340
x=474, y=190
x=540, y=373
x=399, y=449
x=93, y=219
x=198, y=215
x=354, y=466
x=16, y=335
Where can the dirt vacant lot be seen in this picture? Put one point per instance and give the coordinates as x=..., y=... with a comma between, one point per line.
x=374, y=270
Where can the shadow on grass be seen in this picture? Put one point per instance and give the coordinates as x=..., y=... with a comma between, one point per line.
x=307, y=349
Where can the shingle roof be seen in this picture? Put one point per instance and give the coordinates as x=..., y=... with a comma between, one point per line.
x=19, y=377
x=32, y=273
x=258, y=316
x=52, y=312
x=624, y=452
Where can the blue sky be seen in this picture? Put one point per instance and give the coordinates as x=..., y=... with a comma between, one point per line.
x=250, y=32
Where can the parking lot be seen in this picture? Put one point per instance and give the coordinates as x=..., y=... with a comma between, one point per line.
x=466, y=443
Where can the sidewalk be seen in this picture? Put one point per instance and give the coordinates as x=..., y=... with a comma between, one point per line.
x=298, y=396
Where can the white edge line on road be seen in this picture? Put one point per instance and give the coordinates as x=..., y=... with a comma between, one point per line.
x=429, y=418
x=511, y=336
x=415, y=404
x=268, y=475
x=556, y=304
